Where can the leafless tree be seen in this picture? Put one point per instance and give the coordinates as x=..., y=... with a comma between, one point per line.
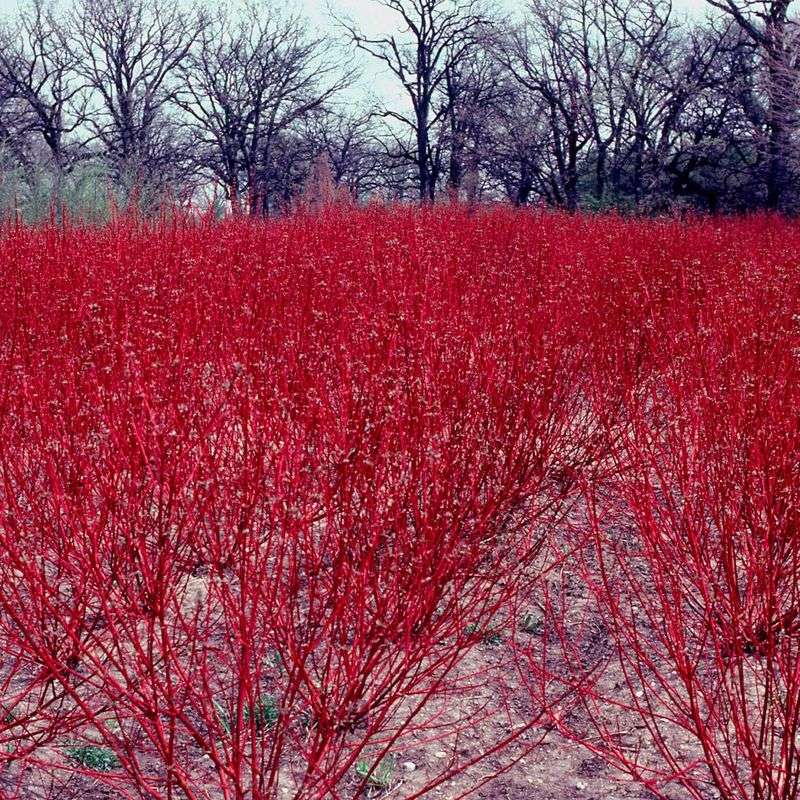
x=436, y=37
x=475, y=89
x=16, y=152
x=581, y=103
x=774, y=31
x=250, y=79
x=690, y=122
x=128, y=52
x=515, y=148
x=39, y=72
x=349, y=140
x=661, y=69
x=545, y=56
x=626, y=90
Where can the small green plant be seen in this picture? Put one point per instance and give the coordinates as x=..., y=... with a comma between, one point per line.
x=263, y=714
x=531, y=623
x=97, y=758
x=489, y=636
x=277, y=659
x=378, y=776
x=223, y=717
x=9, y=721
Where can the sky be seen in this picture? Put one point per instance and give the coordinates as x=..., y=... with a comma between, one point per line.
x=369, y=9
x=373, y=18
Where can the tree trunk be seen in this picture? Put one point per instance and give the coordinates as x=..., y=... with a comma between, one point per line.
x=524, y=190
x=600, y=173
x=775, y=169
x=571, y=177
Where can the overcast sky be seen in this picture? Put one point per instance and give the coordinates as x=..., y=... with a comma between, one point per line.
x=368, y=9
x=372, y=18
x=372, y=11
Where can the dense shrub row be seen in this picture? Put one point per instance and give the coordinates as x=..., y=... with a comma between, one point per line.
x=267, y=488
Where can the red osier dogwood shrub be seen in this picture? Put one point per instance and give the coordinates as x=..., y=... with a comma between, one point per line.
x=265, y=487
x=260, y=485
x=693, y=557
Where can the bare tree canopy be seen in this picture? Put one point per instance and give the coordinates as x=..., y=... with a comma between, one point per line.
x=251, y=79
x=39, y=71
x=578, y=103
x=437, y=36
x=128, y=52
x=773, y=30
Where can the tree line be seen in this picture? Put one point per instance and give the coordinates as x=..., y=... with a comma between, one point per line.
x=577, y=104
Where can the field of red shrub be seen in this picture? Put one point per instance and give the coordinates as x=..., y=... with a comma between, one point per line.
x=283, y=503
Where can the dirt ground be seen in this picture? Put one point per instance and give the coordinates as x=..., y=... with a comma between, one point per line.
x=546, y=765
x=541, y=764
